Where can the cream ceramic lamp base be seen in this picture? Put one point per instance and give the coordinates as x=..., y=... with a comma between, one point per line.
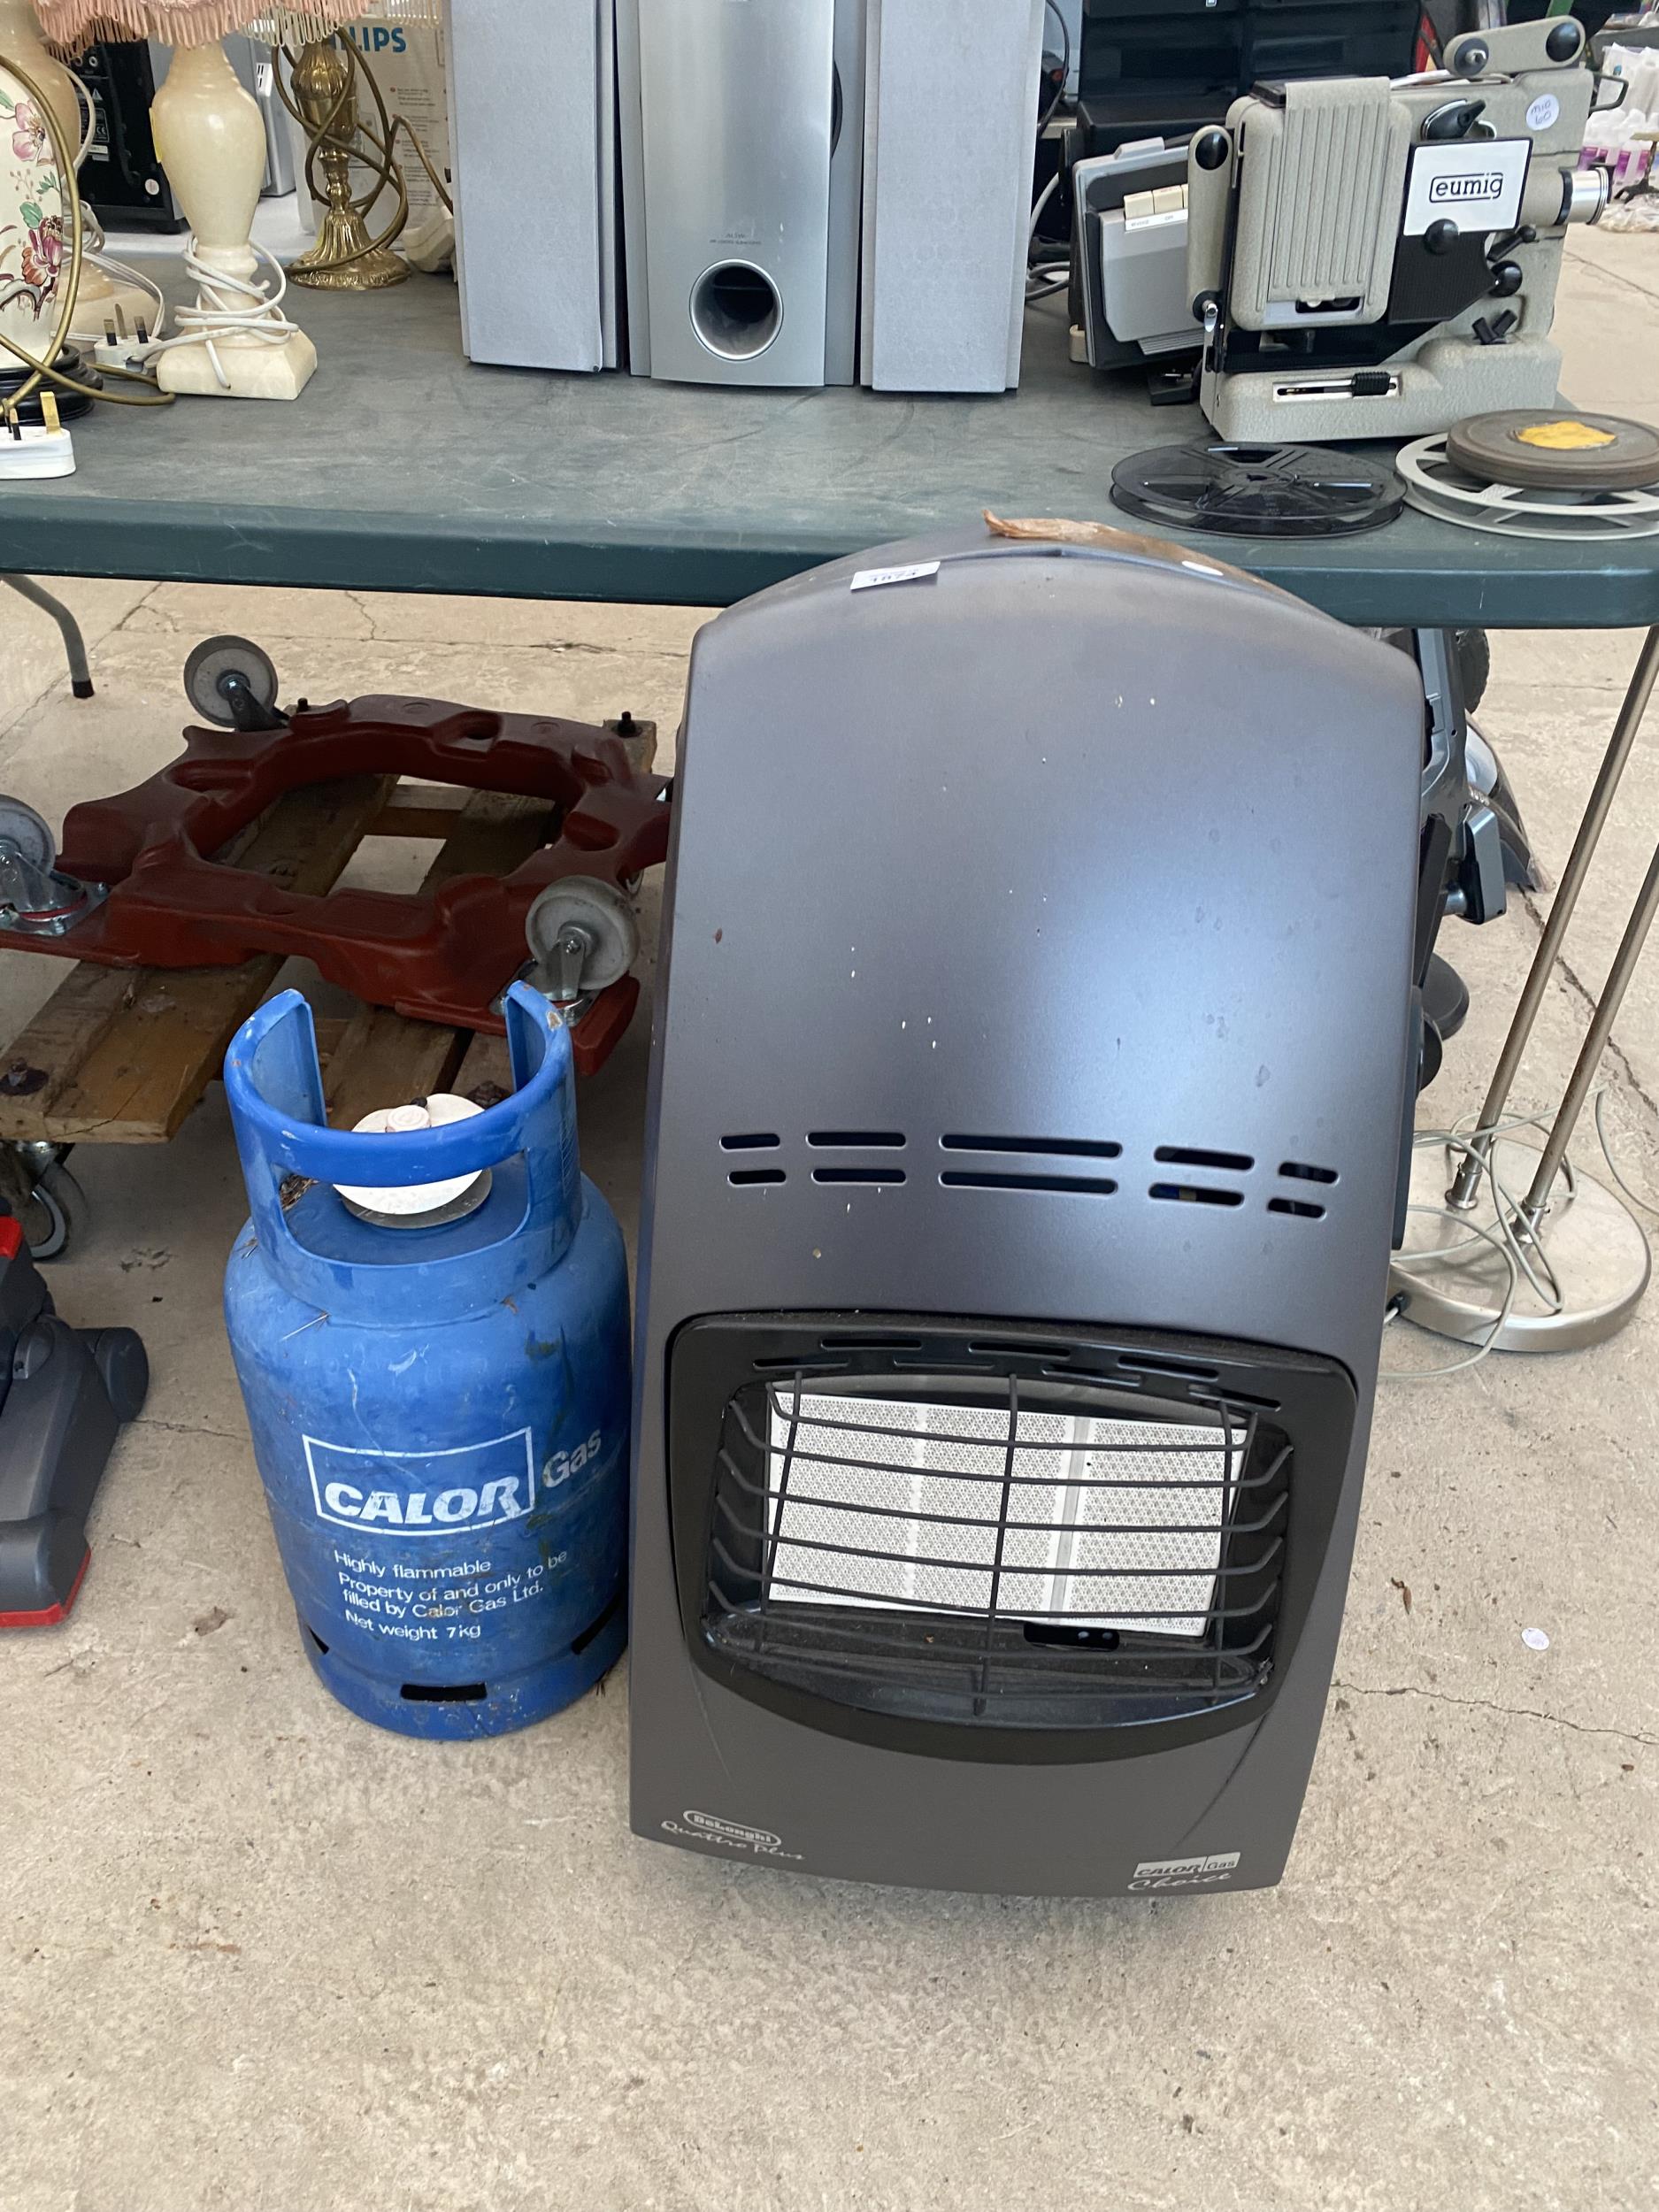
x=254, y=372
x=211, y=141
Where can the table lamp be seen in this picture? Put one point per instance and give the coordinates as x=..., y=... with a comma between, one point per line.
x=20, y=41
x=321, y=93
x=33, y=210
x=235, y=341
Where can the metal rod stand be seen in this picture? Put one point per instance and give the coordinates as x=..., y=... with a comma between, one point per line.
x=1482, y=1269
x=1583, y=1075
x=1466, y=1185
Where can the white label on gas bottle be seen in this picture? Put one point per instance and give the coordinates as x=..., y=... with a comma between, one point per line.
x=422, y=1494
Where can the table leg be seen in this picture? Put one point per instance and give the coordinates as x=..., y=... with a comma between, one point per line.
x=74, y=644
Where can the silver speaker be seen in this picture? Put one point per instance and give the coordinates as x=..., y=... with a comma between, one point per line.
x=742, y=189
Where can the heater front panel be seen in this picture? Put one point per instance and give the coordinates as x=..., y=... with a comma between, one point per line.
x=1041, y=933
x=994, y=1541
x=1040, y=944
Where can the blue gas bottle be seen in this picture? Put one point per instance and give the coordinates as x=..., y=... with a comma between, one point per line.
x=439, y=1408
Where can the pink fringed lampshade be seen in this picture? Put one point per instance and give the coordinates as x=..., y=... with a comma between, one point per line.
x=73, y=24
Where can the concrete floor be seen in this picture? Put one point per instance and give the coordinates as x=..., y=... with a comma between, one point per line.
x=258, y=1955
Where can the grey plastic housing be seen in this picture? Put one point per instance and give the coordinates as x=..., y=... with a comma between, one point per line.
x=1058, y=841
x=63, y=1393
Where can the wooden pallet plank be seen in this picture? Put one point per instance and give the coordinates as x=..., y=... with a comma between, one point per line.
x=434, y=809
x=485, y=1074
x=420, y=810
x=384, y=1059
x=120, y=1056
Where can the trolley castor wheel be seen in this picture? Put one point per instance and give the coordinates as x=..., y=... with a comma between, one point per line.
x=582, y=936
x=230, y=681
x=56, y=1211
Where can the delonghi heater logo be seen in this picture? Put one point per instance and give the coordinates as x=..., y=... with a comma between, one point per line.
x=1219, y=1866
x=1482, y=184
x=734, y=1831
x=731, y=1835
x=422, y=1494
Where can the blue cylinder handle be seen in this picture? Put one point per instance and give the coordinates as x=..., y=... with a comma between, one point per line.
x=274, y=1082
x=275, y=1090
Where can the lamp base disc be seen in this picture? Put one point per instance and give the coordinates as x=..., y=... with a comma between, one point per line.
x=1452, y=1281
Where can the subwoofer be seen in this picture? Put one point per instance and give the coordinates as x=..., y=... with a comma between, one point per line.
x=1029, y=1099
x=742, y=129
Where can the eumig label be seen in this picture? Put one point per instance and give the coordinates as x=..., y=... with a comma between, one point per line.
x=1473, y=187
x=1218, y=1866
x=1482, y=184
x=422, y=1494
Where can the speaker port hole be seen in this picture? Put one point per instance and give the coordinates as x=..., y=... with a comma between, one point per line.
x=735, y=311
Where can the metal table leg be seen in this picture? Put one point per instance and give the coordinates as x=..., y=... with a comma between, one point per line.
x=74, y=644
x=1580, y=1258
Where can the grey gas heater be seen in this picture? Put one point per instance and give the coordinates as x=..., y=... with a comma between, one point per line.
x=1024, y=1148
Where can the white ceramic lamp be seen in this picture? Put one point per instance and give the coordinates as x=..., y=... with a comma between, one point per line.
x=235, y=342
x=33, y=219
x=99, y=294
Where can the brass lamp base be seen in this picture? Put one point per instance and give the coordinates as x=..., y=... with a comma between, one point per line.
x=348, y=255
x=345, y=258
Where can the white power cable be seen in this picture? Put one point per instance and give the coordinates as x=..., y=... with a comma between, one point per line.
x=227, y=306
x=124, y=271
x=1043, y=278
x=1635, y=1196
x=84, y=99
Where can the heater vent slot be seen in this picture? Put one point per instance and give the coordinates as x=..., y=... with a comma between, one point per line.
x=876, y=1342
x=1185, y=1156
x=1299, y=1170
x=1155, y=1363
x=810, y=1363
x=1058, y=1148
x=858, y=1175
x=1100, y=1185
x=858, y=1139
x=759, y=1140
x=743, y=1177
x=1022, y=1348
x=1196, y=1194
x=1301, y=1208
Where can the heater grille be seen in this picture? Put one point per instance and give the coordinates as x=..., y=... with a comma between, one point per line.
x=1011, y=1532
x=1035, y=1515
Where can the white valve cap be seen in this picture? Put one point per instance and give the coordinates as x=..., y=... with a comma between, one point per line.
x=409, y=1202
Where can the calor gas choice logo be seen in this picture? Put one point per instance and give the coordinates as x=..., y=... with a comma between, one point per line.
x=1201, y=1873
x=422, y=1494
